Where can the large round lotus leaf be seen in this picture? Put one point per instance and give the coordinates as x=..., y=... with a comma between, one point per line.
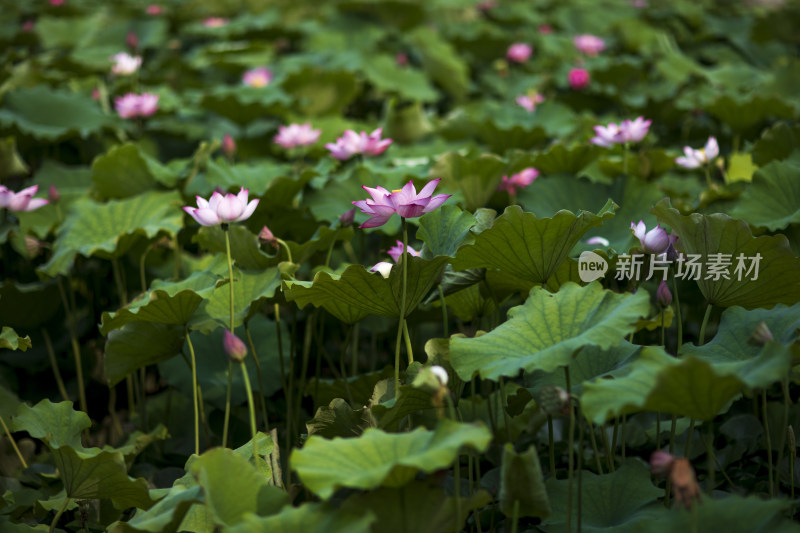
x=317, y=91
x=109, y=229
x=9, y=339
x=444, y=230
x=166, y=515
x=528, y=247
x=772, y=201
x=689, y=386
x=357, y=292
x=440, y=59
x=611, y=502
x=559, y=159
x=308, y=518
x=778, y=273
x=547, y=330
x=126, y=171
x=757, y=366
x=273, y=183
x=379, y=459
x=777, y=142
x=476, y=179
x=521, y=481
x=51, y=114
x=242, y=104
x=138, y=344
x=742, y=114
x=387, y=76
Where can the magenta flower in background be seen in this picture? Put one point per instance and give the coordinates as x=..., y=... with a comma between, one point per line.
x=21, y=201
x=406, y=202
x=578, y=78
x=215, y=22
x=545, y=29
x=352, y=143
x=528, y=101
x=520, y=180
x=401, y=59
x=295, y=135
x=519, y=52
x=153, y=9
x=396, y=251
x=656, y=241
x=697, y=158
x=661, y=462
x=134, y=105
x=221, y=209
x=28, y=25
x=606, y=136
x=633, y=131
x=590, y=45
x=56, y=2
x=257, y=77
x=125, y=64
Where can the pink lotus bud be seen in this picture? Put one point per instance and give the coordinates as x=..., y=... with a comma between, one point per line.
x=578, y=78
x=761, y=335
x=401, y=59
x=234, y=347
x=266, y=237
x=27, y=26
x=661, y=462
x=33, y=246
x=53, y=195
x=663, y=296
x=519, y=52
x=153, y=9
x=228, y=146
x=132, y=40
x=545, y=29
x=346, y=218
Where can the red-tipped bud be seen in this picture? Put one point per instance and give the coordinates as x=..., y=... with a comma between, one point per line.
x=228, y=146
x=663, y=296
x=234, y=347
x=53, y=195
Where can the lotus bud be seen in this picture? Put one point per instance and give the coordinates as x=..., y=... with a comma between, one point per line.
x=554, y=400
x=346, y=218
x=663, y=296
x=441, y=374
x=132, y=40
x=661, y=462
x=384, y=268
x=53, y=195
x=33, y=246
x=578, y=78
x=228, y=146
x=234, y=347
x=266, y=237
x=684, y=483
x=761, y=335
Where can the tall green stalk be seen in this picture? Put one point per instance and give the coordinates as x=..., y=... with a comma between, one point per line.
x=403, y=265
x=702, y=338
x=225, y=230
x=76, y=349
x=570, y=461
x=195, y=402
x=258, y=374
x=252, y=409
x=769, y=440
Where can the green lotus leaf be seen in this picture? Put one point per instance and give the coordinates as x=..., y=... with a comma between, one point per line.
x=154, y=306
x=657, y=381
x=560, y=159
x=9, y=339
x=11, y=163
x=477, y=179
x=757, y=366
x=419, y=507
x=777, y=142
x=406, y=123
x=87, y=473
x=233, y=488
x=444, y=230
x=109, y=230
x=528, y=247
x=547, y=330
x=612, y=502
x=389, y=77
x=441, y=60
x=338, y=419
x=359, y=387
x=274, y=183
x=137, y=442
x=51, y=114
x=742, y=115
x=521, y=481
x=469, y=303
x=505, y=125
x=778, y=275
x=242, y=103
x=308, y=518
x=379, y=459
x=411, y=400
x=318, y=91
x=166, y=515
x=356, y=292
x=773, y=199
x=138, y=344
x=126, y=171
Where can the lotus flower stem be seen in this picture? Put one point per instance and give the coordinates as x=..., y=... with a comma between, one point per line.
x=60, y=512
x=550, y=442
x=625, y=149
x=258, y=375
x=56, y=373
x=13, y=443
x=503, y=405
x=580, y=417
x=286, y=390
x=457, y=466
x=677, y=313
x=354, y=364
x=787, y=401
x=702, y=339
x=286, y=247
x=593, y=440
x=195, y=402
x=614, y=436
x=515, y=517
x=622, y=436
x=769, y=440
x=707, y=168
x=689, y=434
x=792, y=457
x=570, y=460
x=76, y=349
x=444, y=312
x=609, y=455
x=227, y=406
x=226, y=231
x=309, y=333
x=711, y=466
x=672, y=430
x=252, y=408
x=403, y=265
x=407, y=338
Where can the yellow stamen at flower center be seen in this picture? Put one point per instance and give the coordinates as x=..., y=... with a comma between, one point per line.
x=396, y=190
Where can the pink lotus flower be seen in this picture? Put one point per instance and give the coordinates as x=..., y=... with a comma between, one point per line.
x=295, y=135
x=529, y=102
x=257, y=77
x=519, y=52
x=133, y=105
x=590, y=45
x=215, y=22
x=661, y=462
x=234, y=347
x=352, y=143
x=405, y=202
x=698, y=158
x=606, y=136
x=578, y=78
x=125, y=64
x=21, y=201
x=656, y=241
x=520, y=180
x=384, y=268
x=153, y=9
x=396, y=251
x=633, y=131
x=222, y=209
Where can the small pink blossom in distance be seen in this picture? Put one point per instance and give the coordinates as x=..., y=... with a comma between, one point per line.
x=406, y=202
x=234, y=347
x=53, y=195
x=95, y=94
x=401, y=59
x=529, y=101
x=267, y=237
x=519, y=52
x=602, y=241
x=656, y=241
x=606, y=136
x=397, y=250
x=228, y=146
x=125, y=64
x=486, y=5
x=27, y=26
x=591, y=45
x=132, y=40
x=352, y=143
x=520, y=180
x=221, y=209
x=578, y=78
x=257, y=77
x=545, y=29
x=215, y=22
x=346, y=218
x=153, y=9
x=661, y=462
x=133, y=105
x=56, y=2
x=295, y=135
x=21, y=201
x=697, y=158
x=633, y=131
